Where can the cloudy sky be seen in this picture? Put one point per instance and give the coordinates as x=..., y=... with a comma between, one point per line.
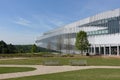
x=21, y=21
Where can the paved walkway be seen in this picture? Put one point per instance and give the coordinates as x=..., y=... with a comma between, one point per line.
x=46, y=70
x=12, y=58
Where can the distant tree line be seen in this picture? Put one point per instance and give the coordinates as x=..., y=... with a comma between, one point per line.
x=6, y=48
x=9, y=48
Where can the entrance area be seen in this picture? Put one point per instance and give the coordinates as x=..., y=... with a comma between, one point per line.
x=105, y=49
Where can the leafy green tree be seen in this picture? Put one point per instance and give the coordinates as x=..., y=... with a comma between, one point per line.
x=82, y=42
x=3, y=47
x=34, y=48
x=11, y=48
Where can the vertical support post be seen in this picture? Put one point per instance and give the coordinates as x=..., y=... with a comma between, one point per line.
x=99, y=50
x=109, y=49
x=104, y=50
x=117, y=50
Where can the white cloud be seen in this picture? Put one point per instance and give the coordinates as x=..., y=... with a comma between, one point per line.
x=56, y=22
x=49, y=22
x=41, y=22
x=36, y=25
x=22, y=21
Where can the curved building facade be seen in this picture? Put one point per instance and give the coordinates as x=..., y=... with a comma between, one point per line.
x=103, y=32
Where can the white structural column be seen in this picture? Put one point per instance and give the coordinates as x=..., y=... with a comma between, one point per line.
x=99, y=50
x=104, y=50
x=118, y=50
x=109, y=49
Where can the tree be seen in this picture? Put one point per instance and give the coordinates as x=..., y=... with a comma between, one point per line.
x=82, y=42
x=11, y=48
x=34, y=48
x=3, y=47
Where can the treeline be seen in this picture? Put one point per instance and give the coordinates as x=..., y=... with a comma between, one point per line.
x=6, y=48
x=9, y=48
x=31, y=49
x=26, y=48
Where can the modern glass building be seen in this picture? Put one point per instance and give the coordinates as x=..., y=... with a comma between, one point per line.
x=103, y=32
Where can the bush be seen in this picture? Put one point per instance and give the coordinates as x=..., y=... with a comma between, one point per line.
x=45, y=54
x=19, y=55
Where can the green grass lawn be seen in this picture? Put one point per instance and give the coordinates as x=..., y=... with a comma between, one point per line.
x=15, y=69
x=89, y=74
x=65, y=60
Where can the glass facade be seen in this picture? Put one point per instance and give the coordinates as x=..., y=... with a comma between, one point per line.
x=110, y=26
x=97, y=32
x=100, y=24
x=104, y=26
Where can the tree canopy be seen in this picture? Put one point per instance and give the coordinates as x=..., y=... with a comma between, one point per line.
x=82, y=42
x=34, y=48
x=6, y=48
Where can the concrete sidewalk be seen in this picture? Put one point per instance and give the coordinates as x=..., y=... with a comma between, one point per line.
x=46, y=70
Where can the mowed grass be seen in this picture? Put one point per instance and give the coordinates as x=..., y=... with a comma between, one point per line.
x=64, y=60
x=15, y=69
x=88, y=74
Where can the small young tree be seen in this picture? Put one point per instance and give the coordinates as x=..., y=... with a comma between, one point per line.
x=82, y=42
x=34, y=48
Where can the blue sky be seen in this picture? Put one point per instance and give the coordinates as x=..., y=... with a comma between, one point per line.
x=21, y=21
